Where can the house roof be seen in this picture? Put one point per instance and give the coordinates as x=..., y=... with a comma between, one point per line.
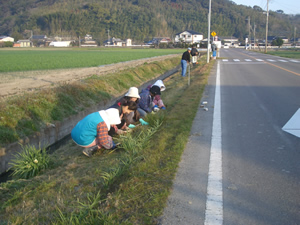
x=112, y=40
x=23, y=41
x=271, y=38
x=39, y=36
x=229, y=37
x=189, y=31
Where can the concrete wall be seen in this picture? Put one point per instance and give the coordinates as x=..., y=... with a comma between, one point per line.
x=55, y=132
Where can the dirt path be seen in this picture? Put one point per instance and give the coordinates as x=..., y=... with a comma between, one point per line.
x=14, y=83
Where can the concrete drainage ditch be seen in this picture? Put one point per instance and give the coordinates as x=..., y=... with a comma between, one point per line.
x=56, y=135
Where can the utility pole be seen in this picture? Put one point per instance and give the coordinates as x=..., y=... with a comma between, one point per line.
x=295, y=28
x=254, y=34
x=31, y=42
x=249, y=31
x=208, y=32
x=267, y=26
x=108, y=37
x=249, y=27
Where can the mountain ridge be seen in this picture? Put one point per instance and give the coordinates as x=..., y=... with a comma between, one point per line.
x=140, y=20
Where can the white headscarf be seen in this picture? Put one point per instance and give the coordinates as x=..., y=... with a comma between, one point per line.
x=160, y=84
x=110, y=116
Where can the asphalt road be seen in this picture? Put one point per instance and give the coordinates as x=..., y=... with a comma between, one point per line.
x=259, y=163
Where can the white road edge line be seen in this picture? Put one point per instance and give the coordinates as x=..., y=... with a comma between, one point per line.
x=214, y=201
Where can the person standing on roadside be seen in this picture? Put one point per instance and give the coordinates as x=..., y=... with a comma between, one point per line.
x=214, y=50
x=186, y=58
x=194, y=54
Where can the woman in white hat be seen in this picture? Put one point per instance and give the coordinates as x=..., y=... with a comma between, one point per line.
x=131, y=95
x=92, y=131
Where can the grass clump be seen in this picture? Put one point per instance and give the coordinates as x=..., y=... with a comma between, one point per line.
x=128, y=185
x=29, y=162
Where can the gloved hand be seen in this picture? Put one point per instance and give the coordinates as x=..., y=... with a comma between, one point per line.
x=163, y=107
x=131, y=126
x=143, y=122
x=155, y=108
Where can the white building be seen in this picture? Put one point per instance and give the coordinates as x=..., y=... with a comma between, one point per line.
x=6, y=39
x=128, y=42
x=88, y=41
x=189, y=36
x=118, y=42
x=60, y=44
x=23, y=43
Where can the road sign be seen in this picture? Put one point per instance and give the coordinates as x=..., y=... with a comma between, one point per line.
x=293, y=125
x=213, y=33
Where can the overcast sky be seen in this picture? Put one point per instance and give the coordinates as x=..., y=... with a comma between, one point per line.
x=288, y=6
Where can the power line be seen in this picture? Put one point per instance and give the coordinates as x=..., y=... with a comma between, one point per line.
x=287, y=6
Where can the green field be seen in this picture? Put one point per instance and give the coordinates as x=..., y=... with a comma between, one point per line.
x=47, y=59
x=294, y=54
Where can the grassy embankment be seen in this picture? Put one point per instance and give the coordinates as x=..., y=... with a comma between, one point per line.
x=21, y=116
x=127, y=186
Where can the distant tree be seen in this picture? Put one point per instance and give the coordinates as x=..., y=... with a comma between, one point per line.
x=17, y=36
x=136, y=19
x=257, y=8
x=162, y=45
x=277, y=42
x=7, y=44
x=280, y=11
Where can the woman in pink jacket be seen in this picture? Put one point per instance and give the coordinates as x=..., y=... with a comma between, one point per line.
x=157, y=101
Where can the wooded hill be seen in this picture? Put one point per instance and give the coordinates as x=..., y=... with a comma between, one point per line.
x=140, y=20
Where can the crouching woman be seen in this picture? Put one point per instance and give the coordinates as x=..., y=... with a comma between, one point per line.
x=92, y=131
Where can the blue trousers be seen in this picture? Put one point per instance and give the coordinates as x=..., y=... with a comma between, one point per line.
x=214, y=53
x=183, y=67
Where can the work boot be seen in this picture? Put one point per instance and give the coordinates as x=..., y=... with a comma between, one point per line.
x=89, y=151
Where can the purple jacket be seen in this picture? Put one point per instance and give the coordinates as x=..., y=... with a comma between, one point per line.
x=145, y=102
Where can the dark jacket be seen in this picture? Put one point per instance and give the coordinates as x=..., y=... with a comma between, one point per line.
x=194, y=51
x=213, y=47
x=186, y=56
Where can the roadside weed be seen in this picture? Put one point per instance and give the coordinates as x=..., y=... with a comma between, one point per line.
x=29, y=162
